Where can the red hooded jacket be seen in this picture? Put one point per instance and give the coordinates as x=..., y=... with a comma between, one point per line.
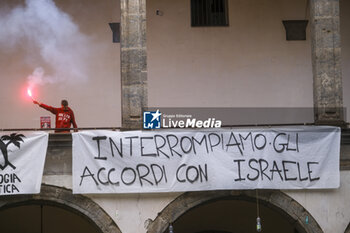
x=64, y=118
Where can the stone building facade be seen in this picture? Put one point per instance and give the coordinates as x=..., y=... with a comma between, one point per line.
x=147, y=42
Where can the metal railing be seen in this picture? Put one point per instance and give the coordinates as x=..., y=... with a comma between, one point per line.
x=54, y=129
x=118, y=128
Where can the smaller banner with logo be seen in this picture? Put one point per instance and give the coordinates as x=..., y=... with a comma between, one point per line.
x=22, y=159
x=45, y=122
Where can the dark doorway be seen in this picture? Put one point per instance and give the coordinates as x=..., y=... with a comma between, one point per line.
x=231, y=216
x=42, y=218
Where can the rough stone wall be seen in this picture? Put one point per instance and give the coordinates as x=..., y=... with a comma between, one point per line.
x=133, y=62
x=326, y=61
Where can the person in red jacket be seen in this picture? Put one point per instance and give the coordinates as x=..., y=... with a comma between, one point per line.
x=64, y=116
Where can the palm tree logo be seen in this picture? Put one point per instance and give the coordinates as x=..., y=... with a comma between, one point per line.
x=5, y=141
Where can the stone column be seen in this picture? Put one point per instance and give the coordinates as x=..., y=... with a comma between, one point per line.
x=133, y=62
x=326, y=62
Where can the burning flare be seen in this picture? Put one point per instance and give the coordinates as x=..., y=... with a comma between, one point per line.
x=30, y=93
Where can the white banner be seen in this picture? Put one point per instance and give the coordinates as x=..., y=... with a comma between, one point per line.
x=176, y=161
x=22, y=159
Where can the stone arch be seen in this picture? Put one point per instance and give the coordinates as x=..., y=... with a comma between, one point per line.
x=347, y=229
x=61, y=197
x=274, y=199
